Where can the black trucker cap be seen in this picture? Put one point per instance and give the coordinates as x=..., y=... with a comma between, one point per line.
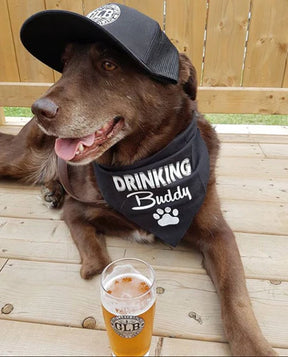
x=46, y=33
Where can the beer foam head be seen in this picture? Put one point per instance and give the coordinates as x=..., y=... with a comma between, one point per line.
x=118, y=270
x=126, y=291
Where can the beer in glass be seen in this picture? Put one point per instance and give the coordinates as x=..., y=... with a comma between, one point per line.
x=128, y=303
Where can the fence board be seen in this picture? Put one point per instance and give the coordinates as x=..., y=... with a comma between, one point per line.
x=30, y=69
x=285, y=78
x=152, y=8
x=8, y=63
x=226, y=32
x=185, y=26
x=243, y=100
x=70, y=5
x=211, y=100
x=2, y=116
x=267, y=45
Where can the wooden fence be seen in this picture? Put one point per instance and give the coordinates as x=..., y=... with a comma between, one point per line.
x=239, y=48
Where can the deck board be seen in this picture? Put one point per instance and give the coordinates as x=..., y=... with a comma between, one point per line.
x=241, y=150
x=53, y=340
x=254, y=150
x=38, y=300
x=39, y=264
x=253, y=167
x=251, y=138
x=178, y=347
x=274, y=151
x=243, y=215
x=45, y=340
x=256, y=217
x=67, y=341
x=262, y=254
x=253, y=189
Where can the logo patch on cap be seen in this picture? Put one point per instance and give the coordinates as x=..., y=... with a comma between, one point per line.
x=105, y=15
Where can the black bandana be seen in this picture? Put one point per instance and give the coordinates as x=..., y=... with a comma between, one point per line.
x=163, y=192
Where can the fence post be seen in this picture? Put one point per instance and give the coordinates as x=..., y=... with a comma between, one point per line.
x=2, y=116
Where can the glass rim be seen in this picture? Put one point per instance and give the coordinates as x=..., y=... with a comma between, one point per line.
x=135, y=297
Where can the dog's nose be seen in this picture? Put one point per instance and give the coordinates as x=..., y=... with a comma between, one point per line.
x=44, y=107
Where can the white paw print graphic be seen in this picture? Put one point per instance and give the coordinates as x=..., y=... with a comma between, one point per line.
x=166, y=217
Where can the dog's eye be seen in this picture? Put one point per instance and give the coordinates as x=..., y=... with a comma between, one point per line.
x=108, y=66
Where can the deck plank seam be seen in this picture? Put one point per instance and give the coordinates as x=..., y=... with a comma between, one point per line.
x=159, y=346
x=45, y=323
x=3, y=266
x=260, y=233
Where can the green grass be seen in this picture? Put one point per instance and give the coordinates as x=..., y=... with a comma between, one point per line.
x=248, y=119
x=213, y=118
x=17, y=112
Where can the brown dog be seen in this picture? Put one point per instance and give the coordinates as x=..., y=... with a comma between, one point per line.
x=134, y=116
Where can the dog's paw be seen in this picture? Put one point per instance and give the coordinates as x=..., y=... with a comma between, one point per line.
x=53, y=194
x=92, y=267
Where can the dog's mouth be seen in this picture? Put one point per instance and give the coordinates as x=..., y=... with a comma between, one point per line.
x=78, y=149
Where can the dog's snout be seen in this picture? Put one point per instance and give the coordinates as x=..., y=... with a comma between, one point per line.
x=44, y=108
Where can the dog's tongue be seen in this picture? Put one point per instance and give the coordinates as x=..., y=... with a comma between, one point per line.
x=66, y=148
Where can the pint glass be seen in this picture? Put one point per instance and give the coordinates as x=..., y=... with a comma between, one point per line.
x=128, y=303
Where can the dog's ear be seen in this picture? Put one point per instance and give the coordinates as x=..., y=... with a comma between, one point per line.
x=187, y=76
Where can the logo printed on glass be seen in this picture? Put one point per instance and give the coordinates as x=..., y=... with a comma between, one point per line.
x=127, y=326
x=105, y=15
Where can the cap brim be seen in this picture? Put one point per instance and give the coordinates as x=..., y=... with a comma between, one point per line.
x=46, y=34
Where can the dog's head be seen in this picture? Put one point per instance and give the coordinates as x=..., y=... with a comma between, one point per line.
x=106, y=104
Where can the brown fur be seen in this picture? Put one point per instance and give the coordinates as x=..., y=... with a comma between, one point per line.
x=86, y=97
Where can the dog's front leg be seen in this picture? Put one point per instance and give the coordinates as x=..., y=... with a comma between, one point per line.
x=53, y=193
x=90, y=242
x=222, y=261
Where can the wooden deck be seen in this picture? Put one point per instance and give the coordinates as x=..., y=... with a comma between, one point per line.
x=39, y=266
